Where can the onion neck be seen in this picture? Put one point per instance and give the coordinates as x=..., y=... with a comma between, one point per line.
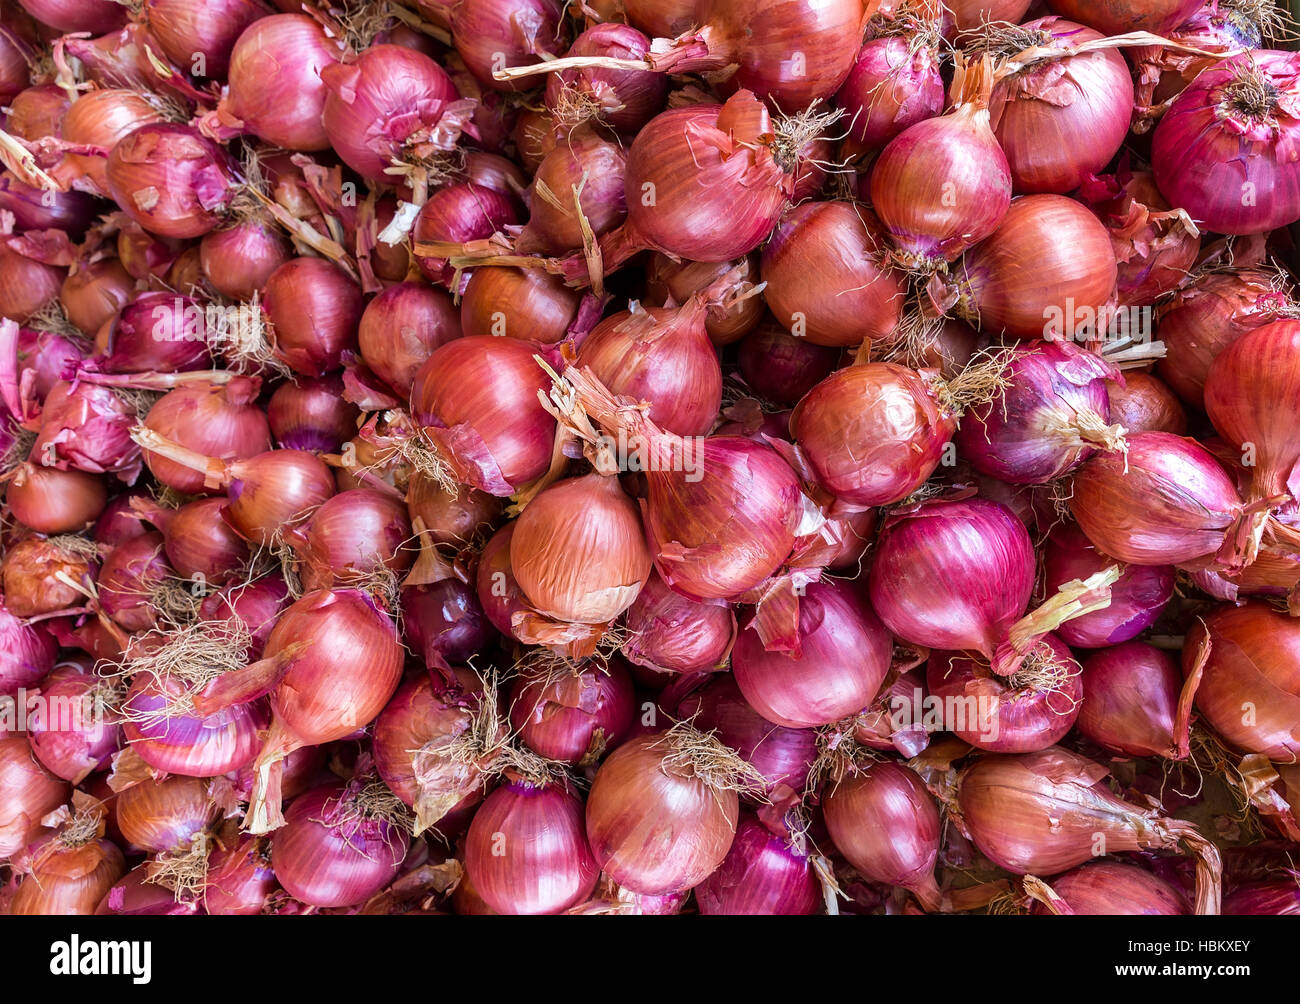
x=1073, y=599
x=216, y=473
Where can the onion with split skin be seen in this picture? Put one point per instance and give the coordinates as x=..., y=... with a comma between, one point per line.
x=69, y=868
x=171, y=180
x=573, y=717
x=674, y=634
x=677, y=281
x=893, y=85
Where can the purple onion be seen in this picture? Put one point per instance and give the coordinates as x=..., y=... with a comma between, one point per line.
x=156, y=331
x=780, y=367
x=27, y=652
x=675, y=634
x=761, y=875
x=193, y=745
x=311, y=414
x=444, y=622
x=1130, y=701
x=88, y=428
x=575, y=718
x=889, y=88
x=1273, y=899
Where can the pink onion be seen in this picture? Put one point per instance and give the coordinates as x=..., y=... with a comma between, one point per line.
x=237, y=261
x=402, y=326
x=573, y=718
x=171, y=180
x=312, y=415
x=314, y=308
x=1131, y=701
x=761, y=875
x=674, y=634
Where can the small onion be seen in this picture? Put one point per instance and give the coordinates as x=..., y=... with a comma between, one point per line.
x=1146, y=404
x=28, y=792
x=675, y=634
x=402, y=326
x=1111, y=888
x=314, y=308
x=80, y=732
x=94, y=292
x=35, y=575
x=893, y=84
x=48, y=500
x=624, y=100
x=761, y=875
x=1130, y=701
x=525, y=303
x=217, y=420
x=237, y=261
x=239, y=878
x=312, y=414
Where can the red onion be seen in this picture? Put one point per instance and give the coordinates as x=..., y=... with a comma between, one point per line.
x=668, y=18
x=1131, y=701
x=237, y=261
x=412, y=746
x=451, y=517
x=354, y=536
x=491, y=35
x=171, y=180
x=840, y=659
x=498, y=592
x=42, y=209
x=136, y=896
x=340, y=844
x=200, y=37
x=674, y=634
x=1137, y=598
x=70, y=872
x=1111, y=888
x=144, y=256
x=1146, y=404
x=943, y=184
x=1048, y=269
x=477, y=400
x=826, y=277
x=585, y=163
x=28, y=652
x=1248, y=686
x=256, y=604
x=79, y=731
x=36, y=572
x=1113, y=17
x=661, y=355
x=669, y=789
x=526, y=851
x=444, y=621
x=314, y=308
x=216, y=420
x=624, y=100
x=94, y=292
x=761, y=875
x=390, y=104
x=458, y=214
x=35, y=111
x=200, y=544
x=312, y=415
x=1224, y=150
x=1276, y=899
x=94, y=16
x=88, y=428
x=783, y=756
x=15, y=75
x=893, y=84
x=27, y=794
x=1030, y=710
x=100, y=118
x=1061, y=119
x=1050, y=417
x=130, y=576
x=573, y=718
x=886, y=825
x=156, y=331
x=185, y=742
x=240, y=878
x=402, y=326
x=1166, y=502
x=677, y=281
x=275, y=88
x=26, y=283
x=48, y=500
x=1045, y=812
x=713, y=535
x=522, y=303
x=47, y=355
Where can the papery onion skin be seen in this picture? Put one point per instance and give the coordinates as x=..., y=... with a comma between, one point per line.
x=237, y=261
x=525, y=303
x=67, y=880
x=1009, y=714
x=48, y=355
x=220, y=421
x=678, y=280
x=155, y=331
x=275, y=80
x=34, y=573
x=99, y=118
x=1130, y=700
x=674, y=634
x=1042, y=271
x=1137, y=599
x=760, y=876
x=636, y=804
x=79, y=732
x=891, y=86
x=1232, y=166
x=1111, y=888
x=574, y=719
x=453, y=519
x=239, y=879
x=190, y=744
x=171, y=180
x=1165, y=502
x=167, y=815
x=555, y=230
x=328, y=865
x=402, y=326
x=88, y=428
x=483, y=390
x=136, y=896
x=547, y=864
x=257, y=604
x=1064, y=120
x=48, y=500
x=1275, y=899
x=1113, y=17
x=624, y=100
x=314, y=308
x=27, y=793
x=1146, y=404
x=94, y=292
x=1250, y=687
x=840, y=245
x=886, y=825
x=845, y=654
x=26, y=285
x=460, y=213
x=952, y=575
x=40, y=209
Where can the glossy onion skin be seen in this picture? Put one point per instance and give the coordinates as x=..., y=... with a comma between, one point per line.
x=1130, y=699
x=1112, y=888
x=760, y=876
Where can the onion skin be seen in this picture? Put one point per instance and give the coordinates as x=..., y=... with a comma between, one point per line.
x=119, y=522
x=190, y=744
x=1275, y=899
x=1146, y=404
x=39, y=209
x=73, y=747
x=1137, y=599
x=460, y=213
x=574, y=719
x=67, y=880
x=554, y=231
x=638, y=805
x=185, y=30
x=858, y=298
x=842, y=655
x=1113, y=17
x=1047, y=264
x=1204, y=319
x=94, y=16
x=94, y=292
x=26, y=285
x=1010, y=716
x=257, y=604
x=239, y=879
x=1184, y=501
x=402, y=326
x=678, y=280
x=135, y=896
x=890, y=88
x=32, y=573
x=165, y=816
x=275, y=81
x=884, y=822
x=1109, y=888
x=674, y=634
x=1232, y=171
x=497, y=589
x=624, y=100
x=1064, y=120
x=272, y=490
x=328, y=864
x=354, y=535
x=444, y=621
x=28, y=792
x=314, y=309
x=490, y=34
x=1130, y=701
x=1249, y=691
x=155, y=331
x=237, y=261
x=100, y=118
x=312, y=415
x=48, y=500
x=219, y=421
x=547, y=865
x=478, y=396
x=783, y=756
x=760, y=876
x=524, y=303
x=171, y=180
x=952, y=575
